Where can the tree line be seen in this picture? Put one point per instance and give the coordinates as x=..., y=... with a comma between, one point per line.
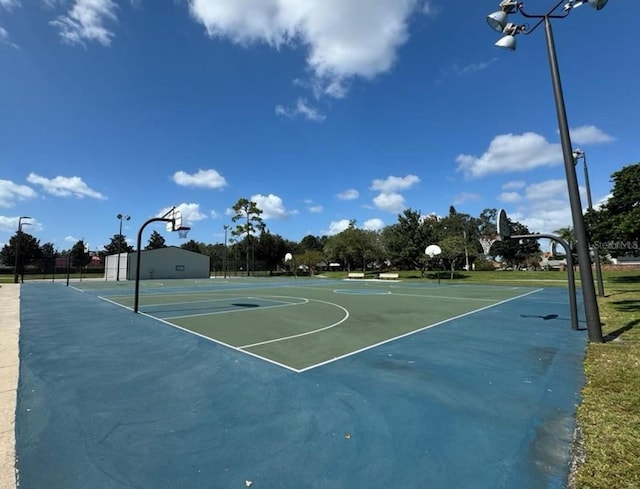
x=614, y=230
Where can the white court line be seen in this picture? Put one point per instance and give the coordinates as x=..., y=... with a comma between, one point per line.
x=308, y=332
x=444, y=297
x=310, y=367
x=222, y=343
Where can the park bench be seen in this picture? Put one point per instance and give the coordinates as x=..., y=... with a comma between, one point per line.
x=388, y=276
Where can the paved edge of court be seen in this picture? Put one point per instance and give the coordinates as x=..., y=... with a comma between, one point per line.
x=9, y=367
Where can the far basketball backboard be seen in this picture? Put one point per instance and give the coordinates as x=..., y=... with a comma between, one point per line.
x=432, y=250
x=176, y=220
x=502, y=223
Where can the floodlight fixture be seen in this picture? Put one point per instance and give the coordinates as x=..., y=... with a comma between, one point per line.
x=596, y=4
x=577, y=154
x=508, y=41
x=498, y=20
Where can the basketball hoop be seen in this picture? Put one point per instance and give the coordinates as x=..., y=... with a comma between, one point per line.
x=183, y=232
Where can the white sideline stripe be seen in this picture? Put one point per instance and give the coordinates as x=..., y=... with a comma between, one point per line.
x=221, y=343
x=326, y=362
x=444, y=297
x=308, y=332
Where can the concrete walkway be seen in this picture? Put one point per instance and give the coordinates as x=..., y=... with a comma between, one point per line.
x=9, y=363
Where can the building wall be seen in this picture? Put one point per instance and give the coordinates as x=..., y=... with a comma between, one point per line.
x=111, y=267
x=168, y=263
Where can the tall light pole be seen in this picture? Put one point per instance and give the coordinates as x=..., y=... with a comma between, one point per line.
x=226, y=228
x=121, y=218
x=499, y=22
x=16, y=271
x=577, y=154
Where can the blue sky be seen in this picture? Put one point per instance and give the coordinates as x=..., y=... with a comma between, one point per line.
x=320, y=112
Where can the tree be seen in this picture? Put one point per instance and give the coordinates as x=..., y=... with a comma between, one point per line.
x=80, y=256
x=310, y=259
x=312, y=243
x=192, y=245
x=406, y=240
x=453, y=251
x=519, y=253
x=249, y=212
x=118, y=244
x=616, y=226
x=271, y=248
x=30, y=251
x=156, y=240
x=48, y=257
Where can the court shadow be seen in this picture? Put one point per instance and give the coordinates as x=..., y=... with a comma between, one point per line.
x=544, y=318
x=245, y=304
x=628, y=305
x=618, y=332
x=631, y=279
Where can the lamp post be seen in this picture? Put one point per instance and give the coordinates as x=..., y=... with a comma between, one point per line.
x=121, y=218
x=498, y=21
x=226, y=228
x=577, y=154
x=16, y=271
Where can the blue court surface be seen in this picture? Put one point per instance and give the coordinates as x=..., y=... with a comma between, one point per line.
x=109, y=399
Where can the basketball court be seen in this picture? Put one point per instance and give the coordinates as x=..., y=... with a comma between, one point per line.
x=291, y=383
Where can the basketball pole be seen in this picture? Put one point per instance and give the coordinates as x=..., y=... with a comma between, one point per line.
x=138, y=254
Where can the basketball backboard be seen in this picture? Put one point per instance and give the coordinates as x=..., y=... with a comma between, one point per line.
x=432, y=250
x=176, y=219
x=502, y=224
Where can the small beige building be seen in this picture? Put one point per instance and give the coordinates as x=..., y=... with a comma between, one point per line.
x=162, y=263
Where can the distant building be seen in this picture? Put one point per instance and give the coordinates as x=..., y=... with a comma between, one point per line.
x=162, y=263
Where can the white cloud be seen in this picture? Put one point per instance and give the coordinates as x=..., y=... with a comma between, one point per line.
x=546, y=190
x=85, y=22
x=509, y=197
x=271, y=206
x=391, y=202
x=71, y=239
x=511, y=153
x=10, y=192
x=349, y=194
x=65, y=187
x=11, y=224
x=393, y=184
x=10, y=4
x=4, y=39
x=315, y=209
x=373, y=224
x=202, y=178
x=514, y=185
x=336, y=227
x=302, y=108
x=463, y=197
x=589, y=135
x=543, y=206
x=343, y=38
x=600, y=202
